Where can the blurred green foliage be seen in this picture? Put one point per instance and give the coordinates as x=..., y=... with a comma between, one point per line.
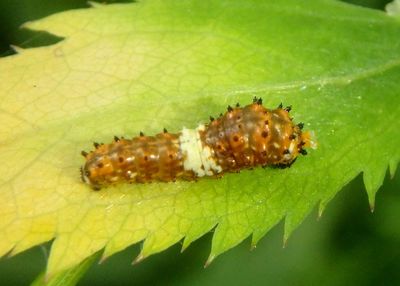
x=14, y=13
x=347, y=246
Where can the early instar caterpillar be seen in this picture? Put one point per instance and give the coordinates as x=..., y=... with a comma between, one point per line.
x=242, y=138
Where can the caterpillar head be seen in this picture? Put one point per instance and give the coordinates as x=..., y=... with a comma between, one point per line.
x=86, y=178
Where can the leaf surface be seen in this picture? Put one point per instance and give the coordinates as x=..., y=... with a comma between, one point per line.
x=153, y=64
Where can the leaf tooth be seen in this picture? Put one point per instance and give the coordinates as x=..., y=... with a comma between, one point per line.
x=94, y=4
x=293, y=220
x=285, y=241
x=373, y=177
x=6, y=251
x=321, y=209
x=19, y=247
x=138, y=259
x=393, y=167
x=17, y=49
x=119, y=242
x=260, y=230
x=372, y=206
x=194, y=233
x=186, y=242
x=209, y=260
x=286, y=234
x=103, y=258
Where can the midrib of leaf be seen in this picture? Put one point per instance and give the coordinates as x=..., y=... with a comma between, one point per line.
x=360, y=74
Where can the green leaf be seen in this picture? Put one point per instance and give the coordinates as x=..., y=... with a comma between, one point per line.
x=393, y=8
x=154, y=64
x=67, y=277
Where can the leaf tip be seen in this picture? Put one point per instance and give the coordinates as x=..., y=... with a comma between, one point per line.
x=372, y=206
x=103, y=258
x=392, y=168
x=371, y=201
x=285, y=242
x=16, y=49
x=393, y=8
x=94, y=4
x=185, y=244
x=8, y=254
x=321, y=209
x=184, y=247
x=138, y=259
x=373, y=180
x=209, y=260
x=26, y=25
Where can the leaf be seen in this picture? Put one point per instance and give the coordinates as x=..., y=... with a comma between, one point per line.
x=68, y=277
x=153, y=64
x=393, y=8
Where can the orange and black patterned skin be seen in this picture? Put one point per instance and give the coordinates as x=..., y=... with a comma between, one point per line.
x=253, y=135
x=241, y=138
x=141, y=159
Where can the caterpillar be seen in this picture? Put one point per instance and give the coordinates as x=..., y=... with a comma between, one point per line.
x=242, y=138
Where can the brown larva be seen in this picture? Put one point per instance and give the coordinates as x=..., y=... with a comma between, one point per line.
x=244, y=137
